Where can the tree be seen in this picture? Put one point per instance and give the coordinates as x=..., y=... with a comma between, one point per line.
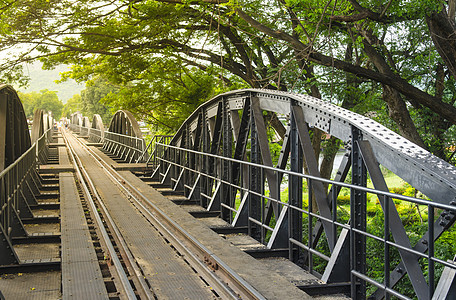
x=91, y=98
x=394, y=52
x=45, y=100
x=29, y=102
x=73, y=105
x=168, y=95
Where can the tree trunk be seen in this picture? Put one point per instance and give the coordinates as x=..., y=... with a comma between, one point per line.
x=329, y=154
x=395, y=81
x=276, y=124
x=443, y=33
x=397, y=108
x=399, y=113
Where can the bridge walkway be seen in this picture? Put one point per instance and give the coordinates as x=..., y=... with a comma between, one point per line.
x=75, y=267
x=167, y=272
x=274, y=278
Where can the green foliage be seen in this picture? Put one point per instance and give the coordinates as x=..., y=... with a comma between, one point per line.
x=332, y=49
x=92, y=99
x=398, y=190
x=45, y=100
x=343, y=200
x=73, y=105
x=167, y=96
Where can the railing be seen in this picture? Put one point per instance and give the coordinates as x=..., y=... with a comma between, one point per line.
x=151, y=154
x=95, y=135
x=127, y=148
x=75, y=128
x=84, y=131
x=18, y=183
x=43, y=146
x=206, y=179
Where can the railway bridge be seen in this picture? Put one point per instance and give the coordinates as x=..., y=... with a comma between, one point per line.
x=231, y=206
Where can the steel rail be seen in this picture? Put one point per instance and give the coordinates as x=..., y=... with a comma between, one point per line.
x=84, y=180
x=227, y=282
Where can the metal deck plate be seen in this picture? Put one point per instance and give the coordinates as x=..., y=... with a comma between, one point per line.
x=81, y=275
x=63, y=156
x=268, y=283
x=43, y=285
x=27, y=252
x=38, y=228
x=169, y=275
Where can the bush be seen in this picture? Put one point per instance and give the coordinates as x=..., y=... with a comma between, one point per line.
x=305, y=203
x=410, y=191
x=398, y=190
x=372, y=210
x=343, y=200
x=397, y=201
x=409, y=214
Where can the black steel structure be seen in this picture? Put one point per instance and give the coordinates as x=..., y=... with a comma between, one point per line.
x=19, y=178
x=96, y=132
x=76, y=122
x=221, y=157
x=14, y=135
x=85, y=126
x=124, y=138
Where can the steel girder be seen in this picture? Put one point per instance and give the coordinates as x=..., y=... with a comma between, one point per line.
x=14, y=135
x=76, y=121
x=96, y=131
x=38, y=125
x=234, y=121
x=42, y=126
x=85, y=126
x=19, y=179
x=124, y=138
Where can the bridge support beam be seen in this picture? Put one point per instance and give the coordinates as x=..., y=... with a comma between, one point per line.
x=256, y=181
x=295, y=186
x=358, y=219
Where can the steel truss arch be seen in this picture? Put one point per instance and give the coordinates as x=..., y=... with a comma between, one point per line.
x=124, y=138
x=14, y=133
x=76, y=121
x=85, y=126
x=228, y=124
x=38, y=125
x=96, y=132
x=19, y=179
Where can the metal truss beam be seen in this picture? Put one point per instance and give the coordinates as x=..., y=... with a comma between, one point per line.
x=222, y=180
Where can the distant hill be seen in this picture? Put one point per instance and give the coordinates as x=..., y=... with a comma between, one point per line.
x=45, y=79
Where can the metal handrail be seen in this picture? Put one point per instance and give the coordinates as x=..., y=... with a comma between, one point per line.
x=126, y=147
x=169, y=159
x=15, y=181
x=158, y=138
x=95, y=135
x=84, y=131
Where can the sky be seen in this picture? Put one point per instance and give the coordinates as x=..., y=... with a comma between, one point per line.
x=45, y=79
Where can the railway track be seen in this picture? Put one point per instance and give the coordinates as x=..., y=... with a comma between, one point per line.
x=132, y=281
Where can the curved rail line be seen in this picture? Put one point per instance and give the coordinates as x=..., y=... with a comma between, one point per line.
x=226, y=282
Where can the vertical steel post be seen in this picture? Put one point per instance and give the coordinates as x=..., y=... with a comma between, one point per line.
x=295, y=186
x=227, y=148
x=255, y=181
x=205, y=140
x=358, y=214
